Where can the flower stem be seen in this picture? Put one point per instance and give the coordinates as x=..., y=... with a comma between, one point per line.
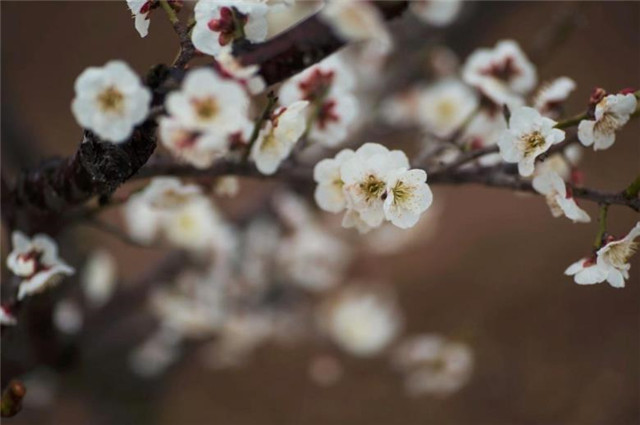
x=571, y=122
x=266, y=114
x=633, y=189
x=602, y=221
x=171, y=14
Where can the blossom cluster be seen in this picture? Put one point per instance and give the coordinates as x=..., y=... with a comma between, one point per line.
x=373, y=184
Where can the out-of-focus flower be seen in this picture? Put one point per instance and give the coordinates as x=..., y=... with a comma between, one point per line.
x=611, y=114
x=227, y=186
x=438, y=13
x=402, y=108
x=433, y=365
x=356, y=21
x=36, y=261
x=140, y=10
x=220, y=22
x=67, y=316
x=278, y=137
x=408, y=196
x=196, y=226
x=246, y=75
x=6, y=318
x=329, y=193
x=484, y=130
x=550, y=96
x=529, y=135
x=99, y=277
x=110, y=101
x=445, y=106
x=503, y=73
x=614, y=257
x=155, y=354
x=169, y=193
x=325, y=370
x=206, y=101
x=559, y=197
x=333, y=109
x=561, y=163
x=362, y=320
x=313, y=259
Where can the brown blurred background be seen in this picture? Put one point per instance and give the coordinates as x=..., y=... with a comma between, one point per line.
x=547, y=350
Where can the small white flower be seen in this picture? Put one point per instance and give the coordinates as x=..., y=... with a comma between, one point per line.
x=585, y=271
x=356, y=20
x=551, y=95
x=503, y=73
x=408, y=196
x=278, y=137
x=110, y=101
x=362, y=321
x=438, y=13
x=99, y=277
x=611, y=113
x=140, y=10
x=484, y=130
x=329, y=193
x=195, y=226
x=169, y=193
x=613, y=258
x=220, y=22
x=67, y=316
x=36, y=261
x=529, y=135
x=433, y=365
x=207, y=102
x=558, y=197
x=6, y=318
x=445, y=106
x=365, y=175
x=246, y=75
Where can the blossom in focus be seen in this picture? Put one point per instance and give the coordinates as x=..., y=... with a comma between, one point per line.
x=356, y=21
x=140, y=10
x=329, y=193
x=611, y=114
x=407, y=197
x=433, y=365
x=559, y=197
x=438, y=13
x=529, y=135
x=504, y=74
x=550, y=96
x=333, y=109
x=585, y=271
x=219, y=23
x=613, y=257
x=99, y=277
x=36, y=261
x=363, y=321
x=445, y=106
x=278, y=137
x=110, y=101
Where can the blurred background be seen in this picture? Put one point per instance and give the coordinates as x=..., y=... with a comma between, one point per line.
x=547, y=351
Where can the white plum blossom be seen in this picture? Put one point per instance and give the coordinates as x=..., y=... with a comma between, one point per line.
x=503, y=73
x=433, y=365
x=220, y=22
x=585, y=271
x=563, y=163
x=611, y=114
x=36, y=261
x=484, y=130
x=445, y=106
x=110, y=101
x=613, y=257
x=169, y=193
x=99, y=277
x=278, y=137
x=559, y=197
x=333, y=109
x=6, y=318
x=329, y=193
x=438, y=13
x=140, y=10
x=363, y=321
x=529, y=135
x=207, y=101
x=227, y=186
x=356, y=20
x=550, y=96
x=408, y=196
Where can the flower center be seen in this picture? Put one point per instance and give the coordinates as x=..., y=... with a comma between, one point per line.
x=401, y=192
x=607, y=124
x=446, y=109
x=111, y=100
x=317, y=85
x=372, y=187
x=619, y=254
x=206, y=108
x=504, y=70
x=532, y=142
